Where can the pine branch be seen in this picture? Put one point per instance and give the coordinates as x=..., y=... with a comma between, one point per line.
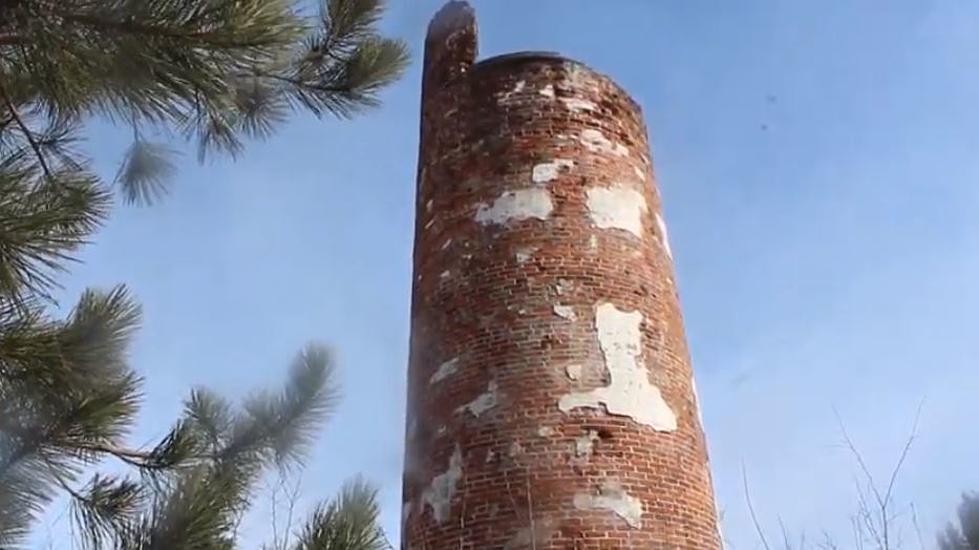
x=25, y=130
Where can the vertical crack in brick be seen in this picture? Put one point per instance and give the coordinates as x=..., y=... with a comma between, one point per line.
x=629, y=393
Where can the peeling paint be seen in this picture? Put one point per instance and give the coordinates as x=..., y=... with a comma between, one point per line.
x=612, y=497
x=445, y=370
x=562, y=287
x=639, y=173
x=629, y=392
x=547, y=91
x=517, y=88
x=438, y=496
x=445, y=274
x=490, y=456
x=447, y=244
x=405, y=513
x=696, y=401
x=596, y=142
x=617, y=208
x=577, y=104
x=549, y=171
x=664, y=235
x=520, y=204
x=524, y=255
x=533, y=536
x=545, y=431
x=573, y=371
x=483, y=403
x=593, y=242
x=515, y=449
x=565, y=312
x=583, y=445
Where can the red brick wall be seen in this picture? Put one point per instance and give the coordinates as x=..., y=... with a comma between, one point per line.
x=550, y=390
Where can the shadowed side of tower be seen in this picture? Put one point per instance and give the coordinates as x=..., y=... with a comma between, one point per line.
x=551, y=402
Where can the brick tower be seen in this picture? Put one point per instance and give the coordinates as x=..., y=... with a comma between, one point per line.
x=551, y=403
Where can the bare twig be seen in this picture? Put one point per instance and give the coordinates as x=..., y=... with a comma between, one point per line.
x=751, y=509
x=878, y=521
x=917, y=527
x=785, y=534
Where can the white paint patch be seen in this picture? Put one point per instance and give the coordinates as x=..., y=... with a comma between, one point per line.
x=524, y=255
x=696, y=401
x=617, y=208
x=446, y=274
x=639, y=173
x=520, y=204
x=578, y=104
x=549, y=171
x=565, y=312
x=612, y=497
x=547, y=91
x=515, y=449
x=596, y=142
x=664, y=236
x=583, y=445
x=482, y=403
x=445, y=370
x=517, y=88
x=447, y=244
x=545, y=431
x=529, y=537
x=430, y=223
x=629, y=392
x=428, y=205
x=405, y=513
x=562, y=287
x=573, y=371
x=441, y=431
x=593, y=242
x=439, y=494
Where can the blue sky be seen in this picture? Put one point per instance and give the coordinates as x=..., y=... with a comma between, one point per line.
x=820, y=178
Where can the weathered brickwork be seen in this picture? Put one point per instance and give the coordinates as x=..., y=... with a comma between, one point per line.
x=551, y=401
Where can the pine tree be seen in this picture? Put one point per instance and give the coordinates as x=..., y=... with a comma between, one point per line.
x=212, y=71
x=215, y=72
x=965, y=536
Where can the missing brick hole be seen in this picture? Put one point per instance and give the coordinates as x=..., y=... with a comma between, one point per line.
x=603, y=432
